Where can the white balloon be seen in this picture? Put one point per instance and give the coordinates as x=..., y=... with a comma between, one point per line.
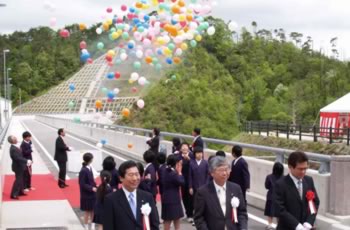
x=139, y=54
x=99, y=145
x=99, y=31
x=97, y=116
x=232, y=26
x=166, y=39
x=123, y=56
x=134, y=76
x=126, y=27
x=178, y=52
x=140, y=103
x=116, y=90
x=109, y=114
x=211, y=30
x=142, y=81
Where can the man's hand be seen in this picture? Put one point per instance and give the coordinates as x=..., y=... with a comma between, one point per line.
x=29, y=162
x=70, y=148
x=191, y=191
x=307, y=226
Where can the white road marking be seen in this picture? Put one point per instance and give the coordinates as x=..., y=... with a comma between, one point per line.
x=260, y=220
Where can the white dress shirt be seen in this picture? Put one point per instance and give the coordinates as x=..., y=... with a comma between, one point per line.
x=221, y=193
x=127, y=193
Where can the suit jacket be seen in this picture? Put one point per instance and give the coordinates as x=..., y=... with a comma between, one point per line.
x=61, y=150
x=118, y=214
x=152, y=183
x=115, y=179
x=161, y=172
x=270, y=183
x=19, y=163
x=86, y=183
x=154, y=144
x=208, y=214
x=240, y=174
x=198, y=142
x=198, y=174
x=171, y=182
x=290, y=208
x=27, y=150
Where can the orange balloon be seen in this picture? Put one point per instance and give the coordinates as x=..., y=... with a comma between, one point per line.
x=167, y=27
x=148, y=59
x=98, y=104
x=125, y=112
x=181, y=3
x=139, y=5
x=82, y=26
x=130, y=145
x=173, y=31
x=189, y=17
x=177, y=60
x=175, y=9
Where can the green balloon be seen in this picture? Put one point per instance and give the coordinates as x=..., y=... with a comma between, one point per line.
x=71, y=104
x=100, y=45
x=125, y=35
x=76, y=119
x=173, y=77
x=159, y=67
x=193, y=43
x=137, y=65
x=104, y=90
x=155, y=60
x=171, y=46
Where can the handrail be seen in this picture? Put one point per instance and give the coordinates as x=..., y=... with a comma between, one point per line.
x=4, y=131
x=280, y=152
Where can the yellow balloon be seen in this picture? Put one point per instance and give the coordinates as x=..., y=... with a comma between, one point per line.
x=115, y=35
x=198, y=38
x=184, y=46
x=167, y=51
x=109, y=21
x=120, y=32
x=161, y=40
x=105, y=26
x=111, y=53
x=131, y=81
x=154, y=2
x=145, y=6
x=182, y=17
x=82, y=26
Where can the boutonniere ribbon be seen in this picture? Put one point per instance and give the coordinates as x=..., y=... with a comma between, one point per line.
x=310, y=197
x=146, y=210
x=235, y=204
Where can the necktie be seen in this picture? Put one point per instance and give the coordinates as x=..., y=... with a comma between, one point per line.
x=132, y=204
x=300, y=188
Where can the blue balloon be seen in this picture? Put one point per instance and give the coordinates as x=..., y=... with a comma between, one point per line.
x=132, y=10
x=174, y=22
x=159, y=52
x=84, y=57
x=136, y=20
x=169, y=61
x=110, y=75
x=146, y=17
x=103, y=141
x=71, y=87
x=130, y=45
x=110, y=94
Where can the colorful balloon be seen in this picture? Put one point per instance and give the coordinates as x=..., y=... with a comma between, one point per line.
x=140, y=103
x=125, y=112
x=98, y=104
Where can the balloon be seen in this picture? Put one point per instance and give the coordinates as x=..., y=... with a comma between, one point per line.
x=137, y=65
x=139, y=53
x=98, y=104
x=123, y=56
x=109, y=114
x=99, y=145
x=82, y=26
x=148, y=59
x=232, y=26
x=71, y=104
x=211, y=30
x=116, y=91
x=177, y=60
x=110, y=75
x=76, y=120
x=134, y=76
x=125, y=112
x=117, y=75
x=193, y=43
x=140, y=103
x=84, y=57
x=110, y=94
x=82, y=45
x=142, y=81
x=123, y=7
x=104, y=90
x=109, y=10
x=53, y=21
x=169, y=61
x=173, y=77
x=130, y=145
x=99, y=30
x=90, y=61
x=100, y=45
x=134, y=89
x=71, y=87
x=64, y=33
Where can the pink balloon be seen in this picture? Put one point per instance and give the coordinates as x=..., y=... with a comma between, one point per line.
x=64, y=33
x=82, y=45
x=109, y=10
x=53, y=22
x=123, y=7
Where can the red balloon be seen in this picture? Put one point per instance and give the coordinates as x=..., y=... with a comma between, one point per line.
x=90, y=61
x=130, y=16
x=109, y=58
x=117, y=75
x=134, y=89
x=109, y=100
x=64, y=33
x=82, y=45
x=110, y=64
x=123, y=7
x=119, y=20
x=109, y=10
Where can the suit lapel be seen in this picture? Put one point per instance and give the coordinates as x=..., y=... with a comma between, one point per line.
x=229, y=195
x=140, y=201
x=125, y=204
x=293, y=188
x=215, y=198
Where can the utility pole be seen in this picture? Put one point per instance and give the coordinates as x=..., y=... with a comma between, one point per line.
x=20, y=99
x=4, y=53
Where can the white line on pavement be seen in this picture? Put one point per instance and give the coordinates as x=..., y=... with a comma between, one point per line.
x=260, y=220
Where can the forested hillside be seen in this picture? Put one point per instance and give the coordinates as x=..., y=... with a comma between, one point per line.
x=259, y=76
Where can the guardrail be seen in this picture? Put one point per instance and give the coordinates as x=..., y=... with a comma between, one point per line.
x=312, y=132
x=281, y=153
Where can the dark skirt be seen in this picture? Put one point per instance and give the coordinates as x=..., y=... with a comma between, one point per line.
x=269, y=209
x=97, y=219
x=87, y=204
x=172, y=211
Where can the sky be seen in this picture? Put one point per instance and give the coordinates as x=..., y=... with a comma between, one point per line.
x=320, y=19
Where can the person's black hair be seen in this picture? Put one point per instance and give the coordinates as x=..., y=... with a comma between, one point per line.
x=297, y=158
x=149, y=156
x=108, y=163
x=172, y=160
x=87, y=158
x=60, y=131
x=125, y=166
x=156, y=131
x=140, y=167
x=176, y=142
x=220, y=153
x=26, y=134
x=106, y=178
x=278, y=169
x=211, y=157
x=197, y=131
x=237, y=151
x=197, y=149
x=161, y=158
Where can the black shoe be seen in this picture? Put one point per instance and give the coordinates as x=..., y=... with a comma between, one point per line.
x=14, y=197
x=22, y=194
x=61, y=186
x=66, y=185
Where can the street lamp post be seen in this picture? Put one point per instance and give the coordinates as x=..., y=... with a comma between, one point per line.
x=8, y=93
x=4, y=53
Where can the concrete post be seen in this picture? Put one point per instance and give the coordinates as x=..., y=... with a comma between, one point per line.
x=339, y=201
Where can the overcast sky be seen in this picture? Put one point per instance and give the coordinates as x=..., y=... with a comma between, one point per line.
x=320, y=19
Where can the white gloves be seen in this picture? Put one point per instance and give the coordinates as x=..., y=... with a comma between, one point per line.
x=307, y=226
x=29, y=162
x=70, y=148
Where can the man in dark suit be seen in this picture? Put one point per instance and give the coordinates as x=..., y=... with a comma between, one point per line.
x=61, y=158
x=123, y=208
x=292, y=194
x=19, y=164
x=197, y=140
x=239, y=170
x=26, y=148
x=213, y=202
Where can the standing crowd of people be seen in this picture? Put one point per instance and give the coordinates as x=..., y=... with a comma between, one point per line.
x=212, y=191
